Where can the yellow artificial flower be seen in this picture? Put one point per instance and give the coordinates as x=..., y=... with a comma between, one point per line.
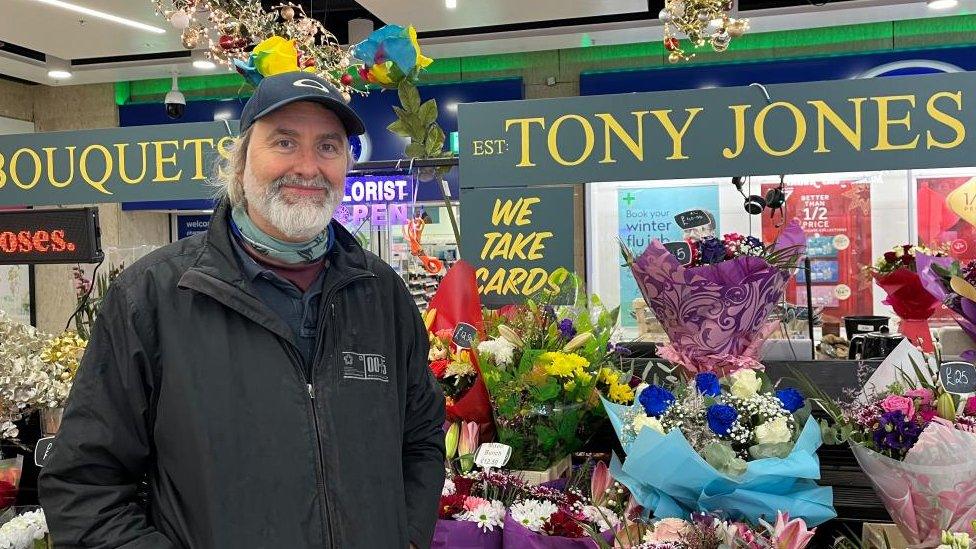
x=583, y=376
x=275, y=55
x=608, y=376
x=570, y=386
x=621, y=394
x=422, y=61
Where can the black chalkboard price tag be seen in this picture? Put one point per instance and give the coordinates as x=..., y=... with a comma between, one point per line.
x=958, y=377
x=464, y=335
x=680, y=250
x=692, y=219
x=42, y=452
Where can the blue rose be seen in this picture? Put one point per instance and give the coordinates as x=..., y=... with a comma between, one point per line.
x=712, y=250
x=707, y=384
x=721, y=417
x=791, y=399
x=656, y=400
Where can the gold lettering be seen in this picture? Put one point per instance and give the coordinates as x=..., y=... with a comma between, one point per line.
x=884, y=123
x=489, y=241
x=223, y=149
x=676, y=136
x=524, y=123
x=15, y=177
x=122, y=171
x=825, y=113
x=950, y=121
x=198, y=154
x=51, y=176
x=535, y=252
x=636, y=146
x=161, y=162
x=3, y=174
x=83, y=167
x=588, y=139
x=525, y=211
x=760, y=128
x=740, y=131
x=495, y=285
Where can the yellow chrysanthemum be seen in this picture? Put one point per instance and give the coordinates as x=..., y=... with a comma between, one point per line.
x=562, y=364
x=583, y=376
x=570, y=386
x=621, y=394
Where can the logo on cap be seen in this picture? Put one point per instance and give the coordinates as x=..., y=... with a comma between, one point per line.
x=308, y=83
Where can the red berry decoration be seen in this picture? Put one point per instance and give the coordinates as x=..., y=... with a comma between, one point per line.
x=346, y=79
x=226, y=42
x=671, y=43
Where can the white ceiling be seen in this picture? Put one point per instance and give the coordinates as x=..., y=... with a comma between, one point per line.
x=65, y=34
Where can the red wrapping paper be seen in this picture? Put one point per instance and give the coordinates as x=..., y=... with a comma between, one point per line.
x=456, y=301
x=912, y=303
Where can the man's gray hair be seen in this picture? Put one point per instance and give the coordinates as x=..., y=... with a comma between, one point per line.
x=229, y=173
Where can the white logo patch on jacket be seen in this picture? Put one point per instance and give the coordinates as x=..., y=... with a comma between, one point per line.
x=367, y=367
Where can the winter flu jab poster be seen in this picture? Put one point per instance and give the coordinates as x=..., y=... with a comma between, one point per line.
x=647, y=214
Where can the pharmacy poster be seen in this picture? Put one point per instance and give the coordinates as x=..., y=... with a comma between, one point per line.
x=647, y=214
x=836, y=216
x=947, y=214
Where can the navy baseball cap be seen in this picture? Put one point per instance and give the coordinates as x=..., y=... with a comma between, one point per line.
x=283, y=89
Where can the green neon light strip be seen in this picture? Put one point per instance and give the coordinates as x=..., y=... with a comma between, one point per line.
x=755, y=46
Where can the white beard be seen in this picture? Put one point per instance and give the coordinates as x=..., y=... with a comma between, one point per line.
x=297, y=218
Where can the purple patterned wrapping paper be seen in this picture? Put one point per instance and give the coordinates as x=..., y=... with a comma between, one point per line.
x=714, y=315
x=519, y=537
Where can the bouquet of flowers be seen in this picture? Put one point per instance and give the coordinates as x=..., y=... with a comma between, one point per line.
x=564, y=514
x=708, y=531
x=897, y=273
x=715, y=312
x=917, y=444
x=542, y=364
x=728, y=444
x=953, y=284
x=456, y=368
x=472, y=509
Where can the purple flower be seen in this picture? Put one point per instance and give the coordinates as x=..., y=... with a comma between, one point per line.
x=566, y=328
x=721, y=417
x=712, y=250
x=894, y=434
x=617, y=349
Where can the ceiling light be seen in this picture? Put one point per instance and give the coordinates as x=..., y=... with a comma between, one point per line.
x=57, y=68
x=451, y=4
x=201, y=61
x=941, y=4
x=102, y=15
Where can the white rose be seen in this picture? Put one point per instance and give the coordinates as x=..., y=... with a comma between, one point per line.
x=774, y=431
x=745, y=383
x=642, y=421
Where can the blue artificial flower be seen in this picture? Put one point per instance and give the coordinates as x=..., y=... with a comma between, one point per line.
x=707, y=384
x=712, y=250
x=791, y=399
x=656, y=400
x=566, y=328
x=721, y=417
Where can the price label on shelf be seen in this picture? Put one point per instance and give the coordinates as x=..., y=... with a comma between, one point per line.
x=492, y=455
x=958, y=377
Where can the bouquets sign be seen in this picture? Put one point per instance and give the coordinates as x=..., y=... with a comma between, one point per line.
x=456, y=302
x=715, y=314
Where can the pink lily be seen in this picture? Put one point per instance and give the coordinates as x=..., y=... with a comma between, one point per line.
x=600, y=482
x=791, y=534
x=469, y=438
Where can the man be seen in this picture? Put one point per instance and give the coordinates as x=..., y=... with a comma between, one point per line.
x=268, y=378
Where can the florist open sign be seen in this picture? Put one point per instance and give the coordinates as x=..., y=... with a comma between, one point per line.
x=852, y=125
x=166, y=162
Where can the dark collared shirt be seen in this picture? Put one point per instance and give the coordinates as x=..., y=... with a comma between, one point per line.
x=299, y=310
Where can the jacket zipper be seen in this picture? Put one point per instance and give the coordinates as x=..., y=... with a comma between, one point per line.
x=310, y=386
